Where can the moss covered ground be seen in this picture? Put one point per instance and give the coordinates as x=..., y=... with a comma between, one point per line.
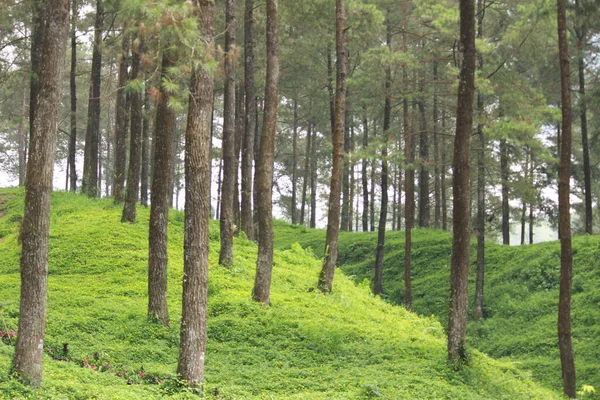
x=347, y=345
x=521, y=293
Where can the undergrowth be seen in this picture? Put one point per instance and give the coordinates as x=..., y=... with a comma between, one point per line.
x=99, y=344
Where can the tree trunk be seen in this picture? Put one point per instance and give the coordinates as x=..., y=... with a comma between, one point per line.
x=306, y=172
x=239, y=137
x=457, y=323
x=333, y=217
x=387, y=111
x=37, y=40
x=364, y=176
x=566, y=252
x=294, y=163
x=229, y=162
x=409, y=175
x=247, y=223
x=73, y=90
x=330, y=90
x=581, y=34
x=23, y=138
x=89, y=184
x=504, y=172
x=313, y=183
x=159, y=206
x=479, y=281
x=437, y=219
x=135, y=145
x=372, y=192
x=145, y=146
x=120, y=125
x=219, y=182
x=443, y=178
x=192, y=345
x=35, y=227
x=264, y=262
x=346, y=174
x=351, y=179
x=424, y=206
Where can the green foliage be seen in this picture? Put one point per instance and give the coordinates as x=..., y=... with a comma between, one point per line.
x=348, y=345
x=521, y=293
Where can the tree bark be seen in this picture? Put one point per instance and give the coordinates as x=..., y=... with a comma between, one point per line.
x=387, y=111
x=229, y=159
x=437, y=219
x=479, y=281
x=144, y=186
x=35, y=227
x=313, y=182
x=364, y=175
x=239, y=137
x=566, y=252
x=294, y=163
x=333, y=217
x=247, y=222
x=424, y=203
x=192, y=345
x=504, y=174
x=306, y=173
x=120, y=125
x=346, y=204
x=159, y=206
x=89, y=184
x=457, y=323
x=23, y=137
x=73, y=91
x=264, y=262
x=135, y=145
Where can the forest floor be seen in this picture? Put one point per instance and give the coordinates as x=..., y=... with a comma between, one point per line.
x=521, y=293
x=306, y=345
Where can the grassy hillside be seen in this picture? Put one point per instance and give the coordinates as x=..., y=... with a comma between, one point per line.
x=348, y=345
x=521, y=293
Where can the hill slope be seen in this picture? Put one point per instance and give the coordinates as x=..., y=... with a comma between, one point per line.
x=348, y=345
x=521, y=293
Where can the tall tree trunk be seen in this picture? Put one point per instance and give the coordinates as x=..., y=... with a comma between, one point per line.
x=479, y=282
x=346, y=174
x=247, y=223
x=135, y=145
x=264, y=263
x=364, y=175
x=566, y=252
x=219, y=183
x=35, y=227
x=73, y=90
x=194, y=306
x=387, y=111
x=313, y=182
x=457, y=323
x=424, y=204
x=333, y=216
x=504, y=174
x=409, y=175
x=581, y=33
x=239, y=137
x=229, y=162
x=372, y=191
x=306, y=173
x=531, y=219
x=330, y=90
x=443, y=178
x=159, y=206
x=294, y=162
x=121, y=124
x=437, y=219
x=351, y=179
x=89, y=184
x=145, y=146
x=37, y=41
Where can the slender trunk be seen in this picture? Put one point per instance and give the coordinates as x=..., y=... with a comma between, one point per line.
x=247, y=223
x=387, y=111
x=457, y=322
x=35, y=227
x=89, y=184
x=264, y=263
x=294, y=163
x=333, y=217
x=424, y=206
x=330, y=90
x=229, y=164
x=239, y=137
x=313, y=183
x=531, y=219
x=37, y=41
x=351, y=179
x=306, y=172
x=135, y=145
x=219, y=182
x=345, y=217
x=159, y=205
x=144, y=183
x=73, y=90
x=174, y=164
x=479, y=282
x=257, y=132
x=23, y=138
x=192, y=345
x=443, y=178
x=372, y=192
x=437, y=219
x=409, y=177
x=523, y=202
x=566, y=252
x=504, y=174
x=364, y=176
